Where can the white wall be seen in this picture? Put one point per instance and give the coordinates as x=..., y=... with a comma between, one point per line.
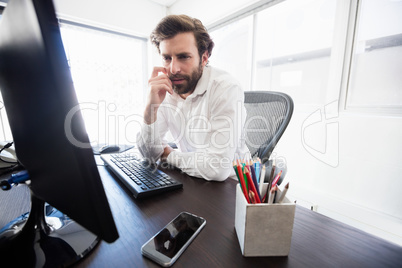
x=348, y=169
x=209, y=11
x=137, y=17
x=130, y=16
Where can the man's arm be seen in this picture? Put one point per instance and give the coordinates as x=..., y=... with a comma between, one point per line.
x=149, y=139
x=158, y=85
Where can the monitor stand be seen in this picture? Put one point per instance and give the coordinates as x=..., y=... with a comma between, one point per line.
x=44, y=237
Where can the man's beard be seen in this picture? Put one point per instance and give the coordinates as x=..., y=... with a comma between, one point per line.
x=191, y=81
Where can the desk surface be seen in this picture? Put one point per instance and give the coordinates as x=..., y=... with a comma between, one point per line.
x=317, y=240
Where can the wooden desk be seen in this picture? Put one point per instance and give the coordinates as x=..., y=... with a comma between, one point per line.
x=317, y=241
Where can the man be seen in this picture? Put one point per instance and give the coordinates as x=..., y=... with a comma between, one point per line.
x=201, y=107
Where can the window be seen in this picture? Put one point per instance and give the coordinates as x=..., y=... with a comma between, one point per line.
x=293, y=48
x=108, y=70
x=232, y=51
x=375, y=81
x=285, y=47
x=109, y=74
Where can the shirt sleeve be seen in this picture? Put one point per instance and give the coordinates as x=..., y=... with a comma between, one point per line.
x=226, y=123
x=149, y=139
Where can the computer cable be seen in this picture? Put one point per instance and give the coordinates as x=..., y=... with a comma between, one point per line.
x=14, y=165
x=8, y=145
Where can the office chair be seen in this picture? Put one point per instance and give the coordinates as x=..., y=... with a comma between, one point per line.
x=268, y=115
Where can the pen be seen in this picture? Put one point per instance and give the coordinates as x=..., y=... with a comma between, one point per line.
x=254, y=178
x=283, y=193
x=257, y=168
x=262, y=176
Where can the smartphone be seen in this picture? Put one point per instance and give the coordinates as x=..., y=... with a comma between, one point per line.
x=169, y=243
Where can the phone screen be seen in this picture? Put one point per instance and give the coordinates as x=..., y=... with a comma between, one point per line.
x=167, y=245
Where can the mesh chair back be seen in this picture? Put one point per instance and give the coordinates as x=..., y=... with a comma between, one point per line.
x=268, y=115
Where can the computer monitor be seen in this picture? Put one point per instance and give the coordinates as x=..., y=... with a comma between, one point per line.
x=50, y=142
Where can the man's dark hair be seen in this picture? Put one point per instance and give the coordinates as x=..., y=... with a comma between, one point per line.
x=172, y=25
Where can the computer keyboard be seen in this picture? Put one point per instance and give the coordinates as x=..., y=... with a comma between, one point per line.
x=141, y=177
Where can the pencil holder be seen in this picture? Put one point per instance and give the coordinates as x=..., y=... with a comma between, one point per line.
x=264, y=229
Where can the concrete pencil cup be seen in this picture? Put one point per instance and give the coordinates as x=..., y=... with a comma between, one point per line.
x=264, y=229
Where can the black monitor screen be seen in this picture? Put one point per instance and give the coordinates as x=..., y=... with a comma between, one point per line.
x=46, y=124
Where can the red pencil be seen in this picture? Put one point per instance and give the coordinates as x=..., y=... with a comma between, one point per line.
x=242, y=183
x=252, y=197
x=251, y=185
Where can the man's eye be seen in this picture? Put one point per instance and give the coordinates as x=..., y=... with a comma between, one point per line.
x=166, y=58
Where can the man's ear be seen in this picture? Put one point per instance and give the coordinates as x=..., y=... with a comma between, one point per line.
x=204, y=58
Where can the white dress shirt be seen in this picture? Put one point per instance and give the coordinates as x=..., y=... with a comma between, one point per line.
x=207, y=127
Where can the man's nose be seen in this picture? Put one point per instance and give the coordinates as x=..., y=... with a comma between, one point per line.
x=174, y=67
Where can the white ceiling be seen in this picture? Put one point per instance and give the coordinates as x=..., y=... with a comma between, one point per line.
x=166, y=3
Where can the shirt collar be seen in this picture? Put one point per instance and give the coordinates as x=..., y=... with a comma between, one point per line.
x=202, y=84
